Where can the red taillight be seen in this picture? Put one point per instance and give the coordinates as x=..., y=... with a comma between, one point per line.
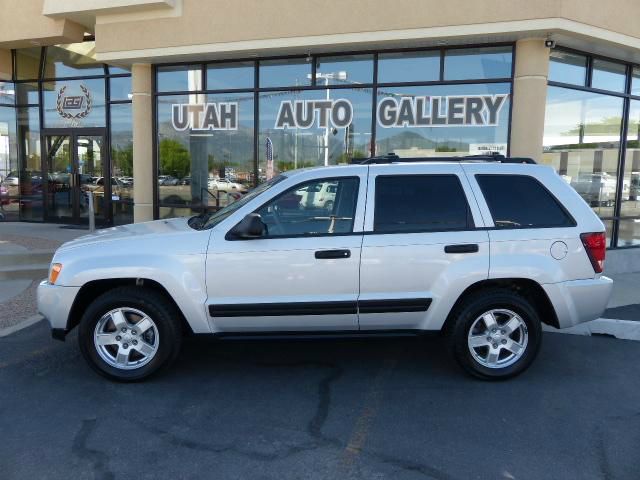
x=596, y=246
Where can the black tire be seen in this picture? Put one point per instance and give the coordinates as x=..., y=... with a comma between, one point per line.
x=155, y=305
x=466, y=314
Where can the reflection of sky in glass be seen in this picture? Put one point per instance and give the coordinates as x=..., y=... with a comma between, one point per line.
x=225, y=76
x=567, y=109
x=284, y=73
x=409, y=67
x=431, y=139
x=608, y=75
x=179, y=78
x=567, y=67
x=490, y=62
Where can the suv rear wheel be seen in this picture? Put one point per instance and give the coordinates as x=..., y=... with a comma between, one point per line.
x=130, y=333
x=496, y=334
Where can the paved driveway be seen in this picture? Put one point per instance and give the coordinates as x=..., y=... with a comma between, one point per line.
x=370, y=409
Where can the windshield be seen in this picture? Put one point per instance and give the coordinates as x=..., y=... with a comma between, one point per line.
x=215, y=218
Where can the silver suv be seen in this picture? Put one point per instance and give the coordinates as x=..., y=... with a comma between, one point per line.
x=482, y=249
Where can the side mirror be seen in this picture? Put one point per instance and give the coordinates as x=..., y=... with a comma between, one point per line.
x=251, y=226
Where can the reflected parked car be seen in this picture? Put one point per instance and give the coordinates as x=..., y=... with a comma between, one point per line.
x=597, y=189
x=185, y=181
x=167, y=180
x=319, y=195
x=11, y=180
x=225, y=185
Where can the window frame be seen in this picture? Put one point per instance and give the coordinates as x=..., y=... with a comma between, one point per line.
x=471, y=226
x=563, y=209
x=627, y=97
x=299, y=185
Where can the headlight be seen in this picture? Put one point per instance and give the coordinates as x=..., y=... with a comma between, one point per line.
x=54, y=271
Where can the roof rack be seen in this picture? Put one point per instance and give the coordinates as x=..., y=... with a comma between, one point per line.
x=393, y=158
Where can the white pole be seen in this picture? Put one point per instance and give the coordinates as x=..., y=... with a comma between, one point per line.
x=92, y=218
x=326, y=128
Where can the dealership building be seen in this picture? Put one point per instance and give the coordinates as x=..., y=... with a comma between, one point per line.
x=185, y=103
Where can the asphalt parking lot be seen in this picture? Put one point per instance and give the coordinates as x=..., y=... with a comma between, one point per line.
x=372, y=409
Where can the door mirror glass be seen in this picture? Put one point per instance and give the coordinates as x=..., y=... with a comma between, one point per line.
x=251, y=226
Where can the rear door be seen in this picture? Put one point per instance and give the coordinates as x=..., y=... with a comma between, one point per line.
x=421, y=247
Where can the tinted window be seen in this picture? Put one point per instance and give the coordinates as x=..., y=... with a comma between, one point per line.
x=284, y=73
x=609, y=75
x=420, y=203
x=409, y=67
x=179, y=78
x=519, y=201
x=320, y=207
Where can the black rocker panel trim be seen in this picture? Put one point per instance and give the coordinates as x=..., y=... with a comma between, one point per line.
x=320, y=308
x=283, y=309
x=394, y=305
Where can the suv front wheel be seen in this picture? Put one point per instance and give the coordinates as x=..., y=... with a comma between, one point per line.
x=496, y=334
x=130, y=333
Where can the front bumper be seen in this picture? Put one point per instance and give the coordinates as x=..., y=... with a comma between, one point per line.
x=579, y=301
x=54, y=303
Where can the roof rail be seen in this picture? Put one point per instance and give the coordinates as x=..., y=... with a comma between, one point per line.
x=393, y=158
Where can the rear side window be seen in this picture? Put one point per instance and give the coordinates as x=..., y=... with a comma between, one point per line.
x=521, y=201
x=420, y=203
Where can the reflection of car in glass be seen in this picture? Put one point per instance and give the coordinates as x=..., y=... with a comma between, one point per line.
x=12, y=179
x=597, y=189
x=167, y=180
x=185, y=181
x=634, y=186
x=319, y=195
x=126, y=181
x=482, y=251
x=225, y=185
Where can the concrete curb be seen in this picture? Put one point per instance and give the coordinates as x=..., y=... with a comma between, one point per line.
x=4, y=332
x=620, y=329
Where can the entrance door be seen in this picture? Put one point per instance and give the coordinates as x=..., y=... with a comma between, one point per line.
x=76, y=170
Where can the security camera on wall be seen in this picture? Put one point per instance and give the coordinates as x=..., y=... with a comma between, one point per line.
x=550, y=43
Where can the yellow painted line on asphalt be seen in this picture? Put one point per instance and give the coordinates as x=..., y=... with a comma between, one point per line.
x=373, y=400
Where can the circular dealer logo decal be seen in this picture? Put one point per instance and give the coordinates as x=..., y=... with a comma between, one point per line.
x=74, y=107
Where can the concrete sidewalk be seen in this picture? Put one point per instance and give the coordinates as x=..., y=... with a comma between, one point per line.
x=26, y=250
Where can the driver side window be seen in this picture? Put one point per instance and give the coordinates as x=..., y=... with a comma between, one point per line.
x=320, y=207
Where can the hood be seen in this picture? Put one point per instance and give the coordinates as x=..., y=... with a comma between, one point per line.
x=145, y=230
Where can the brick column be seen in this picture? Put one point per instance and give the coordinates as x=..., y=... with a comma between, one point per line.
x=529, y=98
x=142, y=143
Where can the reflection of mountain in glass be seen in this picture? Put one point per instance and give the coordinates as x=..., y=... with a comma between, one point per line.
x=409, y=140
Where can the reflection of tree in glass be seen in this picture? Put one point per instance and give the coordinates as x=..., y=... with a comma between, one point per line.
x=174, y=158
x=123, y=160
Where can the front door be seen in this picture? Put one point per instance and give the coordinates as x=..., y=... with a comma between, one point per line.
x=303, y=274
x=76, y=171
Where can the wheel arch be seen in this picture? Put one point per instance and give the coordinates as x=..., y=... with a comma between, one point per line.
x=525, y=287
x=91, y=290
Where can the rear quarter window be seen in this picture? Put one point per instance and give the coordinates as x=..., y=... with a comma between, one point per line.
x=521, y=201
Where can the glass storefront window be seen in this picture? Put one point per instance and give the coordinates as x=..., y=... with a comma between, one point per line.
x=581, y=142
x=205, y=149
x=9, y=175
x=27, y=93
x=7, y=93
x=567, y=67
x=609, y=75
x=629, y=232
x=285, y=73
x=120, y=88
x=122, y=164
x=227, y=76
x=74, y=103
x=295, y=133
x=477, y=63
x=31, y=183
x=440, y=120
x=635, y=81
x=116, y=70
x=72, y=60
x=409, y=67
x=179, y=78
x=345, y=69
x=28, y=63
